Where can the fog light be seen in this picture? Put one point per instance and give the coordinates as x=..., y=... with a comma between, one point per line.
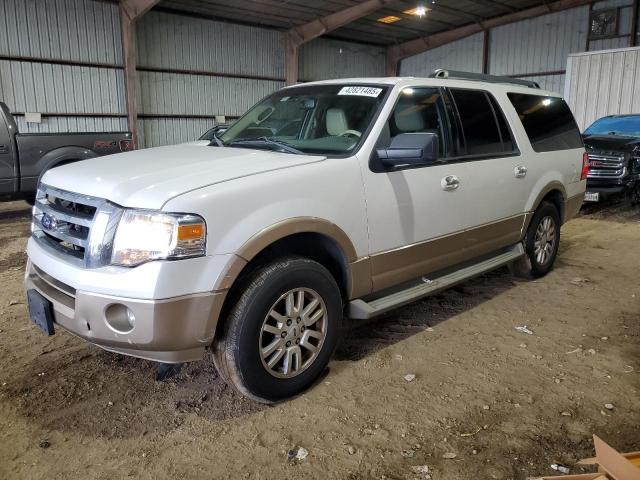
x=120, y=318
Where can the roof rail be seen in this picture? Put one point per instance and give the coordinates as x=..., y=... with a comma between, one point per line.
x=481, y=77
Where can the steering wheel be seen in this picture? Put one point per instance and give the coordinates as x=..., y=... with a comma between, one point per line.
x=354, y=133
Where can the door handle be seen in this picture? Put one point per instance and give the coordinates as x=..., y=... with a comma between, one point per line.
x=520, y=171
x=4, y=148
x=450, y=183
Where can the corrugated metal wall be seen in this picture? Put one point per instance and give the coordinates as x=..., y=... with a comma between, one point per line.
x=553, y=83
x=181, y=42
x=323, y=59
x=603, y=83
x=465, y=54
x=538, y=46
x=192, y=70
x=38, y=33
x=63, y=58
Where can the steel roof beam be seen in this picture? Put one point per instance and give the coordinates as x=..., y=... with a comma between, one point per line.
x=496, y=4
x=301, y=34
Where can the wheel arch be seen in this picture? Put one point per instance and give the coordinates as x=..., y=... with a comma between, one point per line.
x=309, y=237
x=553, y=192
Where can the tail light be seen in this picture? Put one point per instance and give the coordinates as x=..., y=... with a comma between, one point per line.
x=126, y=145
x=585, y=166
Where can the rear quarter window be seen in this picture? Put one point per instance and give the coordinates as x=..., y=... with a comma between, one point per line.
x=548, y=122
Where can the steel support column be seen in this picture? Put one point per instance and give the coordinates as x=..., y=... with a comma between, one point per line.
x=130, y=12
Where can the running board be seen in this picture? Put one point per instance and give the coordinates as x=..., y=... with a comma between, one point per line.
x=359, y=309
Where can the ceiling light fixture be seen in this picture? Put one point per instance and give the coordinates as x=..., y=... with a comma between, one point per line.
x=419, y=11
x=389, y=19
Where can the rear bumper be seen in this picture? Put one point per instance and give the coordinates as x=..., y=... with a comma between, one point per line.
x=169, y=330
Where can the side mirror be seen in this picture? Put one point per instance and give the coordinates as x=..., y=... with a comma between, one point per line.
x=410, y=150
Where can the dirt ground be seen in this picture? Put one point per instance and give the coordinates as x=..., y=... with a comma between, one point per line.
x=506, y=403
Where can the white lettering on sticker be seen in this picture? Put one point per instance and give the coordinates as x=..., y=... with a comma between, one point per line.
x=361, y=91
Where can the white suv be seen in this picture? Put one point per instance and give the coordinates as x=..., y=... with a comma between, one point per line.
x=325, y=200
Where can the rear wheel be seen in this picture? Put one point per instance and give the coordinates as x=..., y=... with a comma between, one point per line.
x=541, y=243
x=282, y=331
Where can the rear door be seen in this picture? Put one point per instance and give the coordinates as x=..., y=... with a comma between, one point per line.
x=8, y=167
x=492, y=175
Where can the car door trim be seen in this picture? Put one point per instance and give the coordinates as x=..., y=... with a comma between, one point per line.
x=395, y=266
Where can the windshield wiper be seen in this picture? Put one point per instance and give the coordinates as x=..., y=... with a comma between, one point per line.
x=267, y=141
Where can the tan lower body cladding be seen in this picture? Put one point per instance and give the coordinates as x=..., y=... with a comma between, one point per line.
x=406, y=263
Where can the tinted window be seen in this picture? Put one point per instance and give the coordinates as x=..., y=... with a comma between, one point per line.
x=548, y=122
x=508, y=144
x=479, y=127
x=417, y=110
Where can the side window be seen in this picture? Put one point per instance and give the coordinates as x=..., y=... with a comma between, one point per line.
x=508, y=145
x=417, y=110
x=479, y=128
x=548, y=122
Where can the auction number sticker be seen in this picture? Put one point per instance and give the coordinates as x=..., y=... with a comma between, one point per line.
x=361, y=91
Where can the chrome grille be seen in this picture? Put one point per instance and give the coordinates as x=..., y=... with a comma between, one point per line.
x=65, y=222
x=609, y=165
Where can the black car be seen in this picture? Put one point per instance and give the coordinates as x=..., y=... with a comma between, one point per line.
x=613, y=145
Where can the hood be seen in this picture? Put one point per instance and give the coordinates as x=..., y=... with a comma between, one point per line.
x=149, y=178
x=611, y=143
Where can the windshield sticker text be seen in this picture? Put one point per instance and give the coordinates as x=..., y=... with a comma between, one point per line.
x=362, y=91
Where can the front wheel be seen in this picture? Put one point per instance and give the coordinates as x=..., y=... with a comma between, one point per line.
x=541, y=243
x=282, y=331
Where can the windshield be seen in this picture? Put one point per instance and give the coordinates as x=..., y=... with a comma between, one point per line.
x=320, y=119
x=628, y=126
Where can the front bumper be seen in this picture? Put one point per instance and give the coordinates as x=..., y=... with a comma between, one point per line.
x=608, y=187
x=169, y=330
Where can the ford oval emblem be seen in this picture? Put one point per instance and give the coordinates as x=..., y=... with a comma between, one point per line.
x=49, y=222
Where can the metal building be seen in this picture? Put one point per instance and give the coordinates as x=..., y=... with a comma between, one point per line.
x=173, y=72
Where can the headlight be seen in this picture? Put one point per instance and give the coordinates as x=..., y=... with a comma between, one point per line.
x=146, y=235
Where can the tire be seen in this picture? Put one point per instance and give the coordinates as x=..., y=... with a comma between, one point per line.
x=635, y=195
x=536, y=263
x=267, y=335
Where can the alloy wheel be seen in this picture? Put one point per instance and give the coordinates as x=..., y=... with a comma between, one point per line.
x=293, y=332
x=545, y=240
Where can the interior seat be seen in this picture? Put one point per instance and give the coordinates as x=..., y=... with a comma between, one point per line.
x=336, y=121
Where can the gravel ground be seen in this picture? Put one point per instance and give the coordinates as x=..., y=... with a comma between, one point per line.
x=487, y=401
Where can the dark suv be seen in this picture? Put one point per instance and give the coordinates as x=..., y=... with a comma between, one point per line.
x=613, y=145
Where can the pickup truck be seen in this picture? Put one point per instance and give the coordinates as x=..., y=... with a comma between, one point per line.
x=613, y=145
x=25, y=157
x=326, y=200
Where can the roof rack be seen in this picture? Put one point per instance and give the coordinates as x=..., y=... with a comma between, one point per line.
x=481, y=77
